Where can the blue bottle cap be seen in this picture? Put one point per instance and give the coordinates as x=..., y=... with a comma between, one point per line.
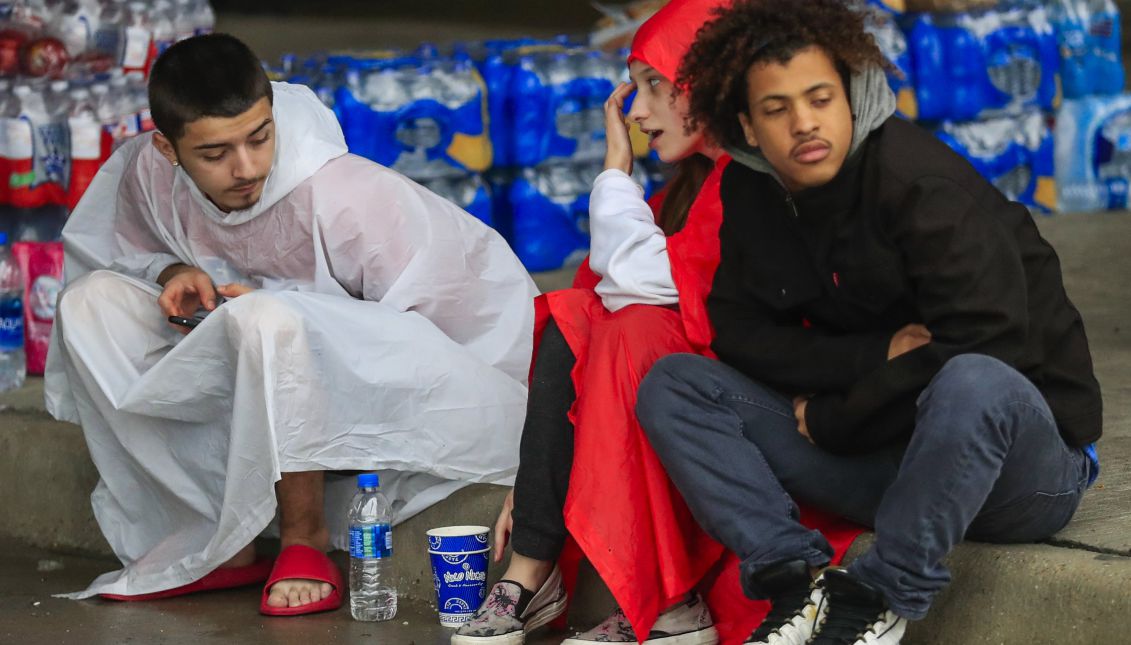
x=3, y=238
x=368, y=480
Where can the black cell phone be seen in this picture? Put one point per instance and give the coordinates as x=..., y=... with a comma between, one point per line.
x=186, y=322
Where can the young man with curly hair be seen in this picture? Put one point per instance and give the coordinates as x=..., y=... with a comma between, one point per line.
x=896, y=343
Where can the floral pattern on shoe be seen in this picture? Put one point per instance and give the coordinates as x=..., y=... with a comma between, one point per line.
x=498, y=614
x=615, y=629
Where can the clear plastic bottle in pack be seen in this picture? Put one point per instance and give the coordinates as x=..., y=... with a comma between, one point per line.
x=422, y=133
x=560, y=69
x=446, y=87
x=383, y=89
x=373, y=595
x=184, y=24
x=104, y=110
x=571, y=119
x=138, y=49
x=110, y=36
x=602, y=75
x=20, y=148
x=44, y=107
x=33, y=16
x=126, y=125
x=204, y=18
x=58, y=104
x=422, y=83
x=86, y=144
x=164, y=33
x=13, y=366
x=76, y=24
x=8, y=109
x=139, y=101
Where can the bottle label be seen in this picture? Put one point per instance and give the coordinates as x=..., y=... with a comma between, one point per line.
x=17, y=139
x=52, y=153
x=137, y=48
x=145, y=120
x=371, y=542
x=11, y=327
x=86, y=139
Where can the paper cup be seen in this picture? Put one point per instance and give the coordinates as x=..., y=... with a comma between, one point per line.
x=459, y=557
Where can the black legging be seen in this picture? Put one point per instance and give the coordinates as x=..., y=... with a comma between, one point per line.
x=545, y=452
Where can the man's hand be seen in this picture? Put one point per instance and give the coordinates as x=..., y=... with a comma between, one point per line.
x=911, y=337
x=799, y=405
x=233, y=290
x=503, y=526
x=618, y=147
x=187, y=289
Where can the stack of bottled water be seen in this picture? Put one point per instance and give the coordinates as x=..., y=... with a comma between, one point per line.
x=1093, y=153
x=971, y=65
x=422, y=114
x=1015, y=153
x=1088, y=32
x=553, y=142
x=557, y=100
x=987, y=80
x=73, y=88
x=880, y=21
x=509, y=130
x=97, y=35
x=1093, y=127
x=550, y=210
x=54, y=135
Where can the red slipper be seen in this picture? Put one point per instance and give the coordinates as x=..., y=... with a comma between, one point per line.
x=222, y=578
x=298, y=561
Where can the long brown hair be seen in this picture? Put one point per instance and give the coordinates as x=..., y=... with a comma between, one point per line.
x=690, y=173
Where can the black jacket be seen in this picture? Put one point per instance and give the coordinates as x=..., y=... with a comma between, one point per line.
x=811, y=287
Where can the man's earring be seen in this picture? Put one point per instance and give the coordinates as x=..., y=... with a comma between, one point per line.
x=176, y=163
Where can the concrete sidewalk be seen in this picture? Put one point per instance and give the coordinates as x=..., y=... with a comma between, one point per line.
x=1074, y=589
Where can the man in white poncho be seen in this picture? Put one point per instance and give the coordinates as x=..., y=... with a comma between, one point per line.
x=368, y=325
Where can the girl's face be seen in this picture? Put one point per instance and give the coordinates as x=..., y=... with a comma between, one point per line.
x=661, y=113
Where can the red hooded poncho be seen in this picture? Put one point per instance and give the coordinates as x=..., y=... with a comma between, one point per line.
x=624, y=514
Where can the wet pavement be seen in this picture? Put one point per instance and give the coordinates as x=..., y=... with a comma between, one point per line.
x=30, y=615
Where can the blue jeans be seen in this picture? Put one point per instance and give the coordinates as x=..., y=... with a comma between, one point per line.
x=985, y=462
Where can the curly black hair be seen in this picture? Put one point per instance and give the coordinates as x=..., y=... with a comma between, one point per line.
x=753, y=31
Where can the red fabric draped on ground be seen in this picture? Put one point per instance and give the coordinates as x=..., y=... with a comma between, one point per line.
x=622, y=510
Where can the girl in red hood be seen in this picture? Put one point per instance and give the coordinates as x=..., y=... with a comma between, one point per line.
x=588, y=477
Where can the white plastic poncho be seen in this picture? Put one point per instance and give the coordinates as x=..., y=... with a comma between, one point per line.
x=390, y=331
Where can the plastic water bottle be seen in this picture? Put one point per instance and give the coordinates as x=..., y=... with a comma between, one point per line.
x=13, y=368
x=76, y=24
x=110, y=33
x=204, y=18
x=372, y=594
x=139, y=49
x=164, y=31
x=9, y=109
x=184, y=25
x=86, y=144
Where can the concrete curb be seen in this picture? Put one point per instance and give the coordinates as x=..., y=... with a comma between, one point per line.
x=1002, y=594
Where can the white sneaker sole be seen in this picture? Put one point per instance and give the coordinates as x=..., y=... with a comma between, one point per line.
x=541, y=617
x=706, y=636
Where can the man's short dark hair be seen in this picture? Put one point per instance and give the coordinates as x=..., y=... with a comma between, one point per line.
x=758, y=31
x=215, y=75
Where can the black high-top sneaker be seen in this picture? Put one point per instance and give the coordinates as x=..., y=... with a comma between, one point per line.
x=857, y=613
x=795, y=604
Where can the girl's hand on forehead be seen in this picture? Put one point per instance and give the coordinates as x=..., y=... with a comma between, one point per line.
x=618, y=151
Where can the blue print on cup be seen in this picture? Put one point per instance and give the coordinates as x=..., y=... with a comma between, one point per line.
x=459, y=571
